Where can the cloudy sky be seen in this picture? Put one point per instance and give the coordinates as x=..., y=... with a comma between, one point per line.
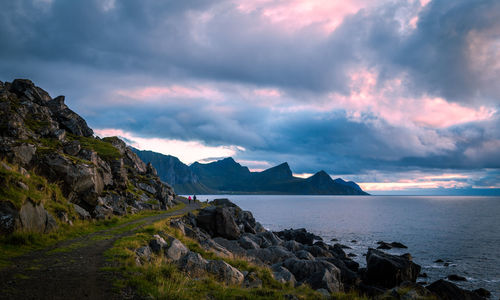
x=396, y=95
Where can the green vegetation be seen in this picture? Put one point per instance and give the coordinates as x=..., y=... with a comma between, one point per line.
x=103, y=148
x=161, y=279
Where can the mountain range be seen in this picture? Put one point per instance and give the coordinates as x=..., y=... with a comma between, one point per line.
x=226, y=176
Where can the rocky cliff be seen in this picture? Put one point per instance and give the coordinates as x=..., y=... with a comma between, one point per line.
x=49, y=154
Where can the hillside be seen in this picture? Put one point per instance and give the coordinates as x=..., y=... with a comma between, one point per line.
x=54, y=171
x=228, y=176
x=172, y=170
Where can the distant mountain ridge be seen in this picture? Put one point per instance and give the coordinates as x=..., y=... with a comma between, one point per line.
x=228, y=176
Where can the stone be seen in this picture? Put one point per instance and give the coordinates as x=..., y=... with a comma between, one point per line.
x=271, y=255
x=176, y=250
x=217, y=249
x=398, y=245
x=268, y=238
x=299, y=235
x=72, y=148
x=454, y=277
x=252, y=281
x=293, y=246
x=482, y=292
x=388, y=270
x=446, y=290
x=323, y=279
x=157, y=244
x=225, y=224
x=81, y=213
x=178, y=224
x=283, y=275
x=146, y=187
x=303, y=254
x=225, y=272
x=144, y=254
x=193, y=264
x=102, y=212
x=151, y=170
x=246, y=243
x=22, y=185
x=314, y=271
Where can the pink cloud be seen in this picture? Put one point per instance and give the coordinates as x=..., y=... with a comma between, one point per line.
x=296, y=14
x=172, y=91
x=267, y=93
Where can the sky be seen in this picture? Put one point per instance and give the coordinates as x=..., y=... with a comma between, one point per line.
x=399, y=96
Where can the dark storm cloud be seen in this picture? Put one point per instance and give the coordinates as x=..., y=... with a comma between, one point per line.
x=88, y=50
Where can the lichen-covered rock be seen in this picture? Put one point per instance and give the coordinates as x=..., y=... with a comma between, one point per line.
x=31, y=217
x=176, y=250
x=388, y=270
x=193, y=264
x=283, y=275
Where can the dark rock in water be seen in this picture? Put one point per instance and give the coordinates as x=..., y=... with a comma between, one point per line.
x=446, y=264
x=344, y=246
x=398, y=245
x=334, y=240
x=439, y=261
x=300, y=235
x=454, y=277
x=388, y=270
x=351, y=255
x=423, y=275
x=446, y=290
x=482, y=292
x=354, y=241
x=338, y=251
x=384, y=246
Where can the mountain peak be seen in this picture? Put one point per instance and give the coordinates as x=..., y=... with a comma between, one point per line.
x=281, y=171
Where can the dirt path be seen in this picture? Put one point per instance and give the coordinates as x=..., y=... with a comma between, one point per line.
x=75, y=273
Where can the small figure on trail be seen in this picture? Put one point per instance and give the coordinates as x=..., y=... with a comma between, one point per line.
x=194, y=199
x=189, y=199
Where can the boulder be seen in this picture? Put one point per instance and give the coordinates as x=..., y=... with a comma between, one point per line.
x=143, y=254
x=31, y=217
x=271, y=255
x=303, y=254
x=68, y=119
x=307, y=270
x=246, y=243
x=225, y=224
x=157, y=244
x=267, y=239
x=282, y=275
x=193, y=264
x=82, y=213
x=231, y=245
x=446, y=290
x=388, y=270
x=178, y=224
x=72, y=148
x=252, y=281
x=324, y=280
x=482, y=292
x=455, y=277
x=102, y=212
x=299, y=235
x=212, y=246
x=176, y=250
x=293, y=246
x=225, y=272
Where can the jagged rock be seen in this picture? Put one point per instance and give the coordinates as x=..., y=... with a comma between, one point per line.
x=146, y=187
x=317, y=251
x=306, y=270
x=303, y=254
x=446, y=290
x=151, y=170
x=252, y=281
x=195, y=233
x=348, y=269
x=102, y=212
x=218, y=221
x=225, y=272
x=176, y=250
x=23, y=154
x=68, y=119
x=219, y=250
x=300, y=235
x=337, y=251
x=293, y=246
x=388, y=270
x=282, y=275
x=193, y=264
x=246, y=243
x=82, y=213
x=267, y=239
x=157, y=244
x=223, y=202
x=324, y=280
x=232, y=246
x=178, y=224
x=271, y=255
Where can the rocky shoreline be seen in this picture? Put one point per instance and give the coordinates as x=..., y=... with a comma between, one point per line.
x=295, y=257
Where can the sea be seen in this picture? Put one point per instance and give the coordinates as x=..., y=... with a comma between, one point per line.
x=463, y=231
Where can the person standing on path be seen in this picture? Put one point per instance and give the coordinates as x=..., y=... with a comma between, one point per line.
x=189, y=199
x=194, y=199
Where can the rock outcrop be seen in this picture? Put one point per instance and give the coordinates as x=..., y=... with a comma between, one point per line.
x=103, y=177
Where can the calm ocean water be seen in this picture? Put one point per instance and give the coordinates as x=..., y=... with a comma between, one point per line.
x=464, y=231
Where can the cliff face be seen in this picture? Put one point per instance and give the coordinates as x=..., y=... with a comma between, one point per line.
x=40, y=136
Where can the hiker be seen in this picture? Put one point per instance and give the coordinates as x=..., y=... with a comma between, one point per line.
x=194, y=199
x=189, y=199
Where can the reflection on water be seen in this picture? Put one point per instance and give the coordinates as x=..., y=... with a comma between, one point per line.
x=464, y=231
